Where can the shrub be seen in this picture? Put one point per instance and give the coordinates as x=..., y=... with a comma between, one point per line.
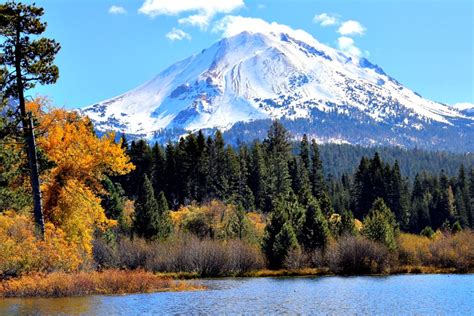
x=185, y=253
x=380, y=224
x=88, y=283
x=244, y=257
x=358, y=255
x=413, y=249
x=22, y=253
x=453, y=251
x=296, y=259
x=427, y=232
x=456, y=227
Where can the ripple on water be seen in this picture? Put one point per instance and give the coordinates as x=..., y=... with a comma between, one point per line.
x=404, y=294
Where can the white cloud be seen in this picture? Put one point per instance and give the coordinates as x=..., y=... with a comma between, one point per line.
x=204, y=10
x=347, y=45
x=117, y=10
x=231, y=25
x=325, y=19
x=351, y=27
x=202, y=21
x=177, y=35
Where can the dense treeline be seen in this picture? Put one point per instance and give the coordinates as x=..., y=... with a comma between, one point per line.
x=269, y=175
x=339, y=159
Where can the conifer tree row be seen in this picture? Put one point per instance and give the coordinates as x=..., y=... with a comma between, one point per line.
x=291, y=186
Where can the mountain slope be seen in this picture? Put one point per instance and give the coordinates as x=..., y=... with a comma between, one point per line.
x=253, y=77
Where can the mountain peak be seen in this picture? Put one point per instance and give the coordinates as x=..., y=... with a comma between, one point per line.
x=253, y=76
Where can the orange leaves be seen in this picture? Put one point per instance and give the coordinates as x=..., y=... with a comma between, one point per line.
x=78, y=212
x=21, y=252
x=80, y=160
x=89, y=283
x=77, y=152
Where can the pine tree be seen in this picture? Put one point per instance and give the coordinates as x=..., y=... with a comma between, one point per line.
x=361, y=189
x=192, y=154
x=112, y=201
x=24, y=62
x=317, y=172
x=231, y=176
x=315, y=230
x=380, y=225
x=238, y=224
x=218, y=161
x=325, y=204
x=463, y=206
x=182, y=172
x=245, y=195
x=278, y=152
x=378, y=179
x=285, y=243
x=258, y=177
x=202, y=168
x=165, y=226
x=305, y=154
x=396, y=195
x=445, y=209
x=300, y=180
x=141, y=156
x=150, y=213
x=295, y=211
x=171, y=177
x=158, y=169
x=471, y=198
x=278, y=218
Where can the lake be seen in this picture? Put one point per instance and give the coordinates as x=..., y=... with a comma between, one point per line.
x=401, y=294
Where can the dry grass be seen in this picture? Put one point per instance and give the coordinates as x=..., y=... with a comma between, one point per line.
x=409, y=269
x=61, y=284
x=413, y=250
x=285, y=272
x=445, y=252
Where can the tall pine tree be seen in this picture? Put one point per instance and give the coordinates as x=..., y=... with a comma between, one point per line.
x=26, y=61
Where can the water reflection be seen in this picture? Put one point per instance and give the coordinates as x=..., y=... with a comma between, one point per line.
x=415, y=294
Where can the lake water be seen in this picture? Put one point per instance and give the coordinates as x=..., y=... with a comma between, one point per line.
x=393, y=295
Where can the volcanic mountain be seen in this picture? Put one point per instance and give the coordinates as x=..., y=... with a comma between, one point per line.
x=242, y=82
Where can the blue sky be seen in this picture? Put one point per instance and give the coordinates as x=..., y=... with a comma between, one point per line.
x=110, y=47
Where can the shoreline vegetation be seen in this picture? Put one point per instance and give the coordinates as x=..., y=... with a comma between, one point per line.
x=107, y=282
x=124, y=282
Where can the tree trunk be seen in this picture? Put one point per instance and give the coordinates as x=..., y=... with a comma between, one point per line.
x=28, y=134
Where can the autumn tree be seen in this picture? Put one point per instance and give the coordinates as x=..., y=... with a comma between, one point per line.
x=27, y=61
x=72, y=187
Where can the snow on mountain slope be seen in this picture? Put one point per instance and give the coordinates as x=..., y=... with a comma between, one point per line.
x=465, y=107
x=256, y=76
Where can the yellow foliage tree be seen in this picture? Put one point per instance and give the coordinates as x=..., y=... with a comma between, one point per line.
x=216, y=219
x=81, y=159
x=21, y=252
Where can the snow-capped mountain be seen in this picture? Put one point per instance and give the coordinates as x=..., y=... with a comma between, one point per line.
x=243, y=81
